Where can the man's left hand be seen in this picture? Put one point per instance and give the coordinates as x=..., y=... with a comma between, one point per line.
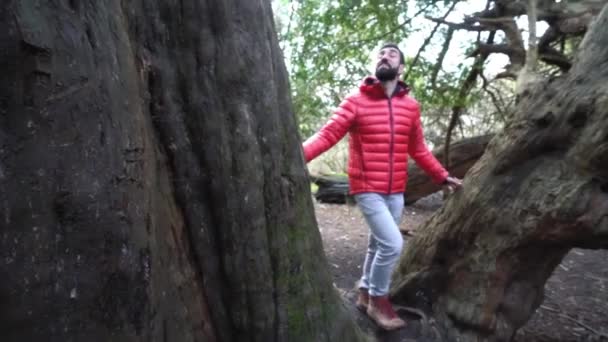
x=451, y=185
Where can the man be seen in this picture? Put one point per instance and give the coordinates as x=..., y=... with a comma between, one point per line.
x=384, y=126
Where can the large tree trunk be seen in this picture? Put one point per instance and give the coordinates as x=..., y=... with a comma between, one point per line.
x=152, y=186
x=540, y=189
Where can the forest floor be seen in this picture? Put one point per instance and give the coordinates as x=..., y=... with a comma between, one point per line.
x=575, y=307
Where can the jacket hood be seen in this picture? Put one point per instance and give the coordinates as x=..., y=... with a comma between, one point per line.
x=371, y=86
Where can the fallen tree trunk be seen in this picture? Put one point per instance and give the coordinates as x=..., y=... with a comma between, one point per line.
x=541, y=188
x=332, y=189
x=463, y=154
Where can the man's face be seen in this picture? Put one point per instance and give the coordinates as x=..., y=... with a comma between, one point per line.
x=388, y=64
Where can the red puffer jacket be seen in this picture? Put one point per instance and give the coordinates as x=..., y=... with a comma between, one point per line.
x=383, y=132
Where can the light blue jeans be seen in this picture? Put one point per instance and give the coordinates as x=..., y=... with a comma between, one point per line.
x=382, y=213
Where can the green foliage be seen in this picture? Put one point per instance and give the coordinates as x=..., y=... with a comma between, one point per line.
x=329, y=45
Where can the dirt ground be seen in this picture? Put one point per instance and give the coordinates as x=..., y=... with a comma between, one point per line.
x=576, y=302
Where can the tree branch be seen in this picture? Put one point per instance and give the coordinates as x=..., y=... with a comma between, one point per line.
x=493, y=96
x=485, y=48
x=551, y=35
x=393, y=30
x=465, y=89
x=506, y=74
x=428, y=40
x=532, y=54
x=553, y=57
x=461, y=26
x=288, y=25
x=444, y=50
x=503, y=8
x=514, y=48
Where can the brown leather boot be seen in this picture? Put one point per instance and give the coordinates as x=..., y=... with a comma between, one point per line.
x=380, y=310
x=363, y=300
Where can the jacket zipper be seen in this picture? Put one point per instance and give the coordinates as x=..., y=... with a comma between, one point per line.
x=391, y=146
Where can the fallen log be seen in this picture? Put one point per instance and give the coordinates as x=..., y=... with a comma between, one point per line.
x=463, y=154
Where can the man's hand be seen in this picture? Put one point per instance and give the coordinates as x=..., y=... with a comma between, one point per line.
x=451, y=185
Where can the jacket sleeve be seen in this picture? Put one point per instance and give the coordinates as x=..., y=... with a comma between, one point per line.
x=334, y=130
x=418, y=150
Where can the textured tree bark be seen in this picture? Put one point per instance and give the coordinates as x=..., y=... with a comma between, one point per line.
x=152, y=186
x=463, y=154
x=541, y=188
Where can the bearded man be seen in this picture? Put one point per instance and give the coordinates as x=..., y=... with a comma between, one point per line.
x=384, y=129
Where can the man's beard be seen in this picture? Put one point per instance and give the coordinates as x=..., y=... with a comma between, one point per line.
x=386, y=74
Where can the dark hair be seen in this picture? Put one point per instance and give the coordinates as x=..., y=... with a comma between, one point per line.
x=393, y=45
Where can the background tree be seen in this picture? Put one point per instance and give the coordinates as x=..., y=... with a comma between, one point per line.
x=151, y=181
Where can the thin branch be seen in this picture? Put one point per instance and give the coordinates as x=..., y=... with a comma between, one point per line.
x=493, y=96
x=393, y=30
x=289, y=24
x=502, y=8
x=460, y=127
x=506, y=74
x=512, y=34
x=444, y=51
x=355, y=68
x=428, y=40
x=551, y=55
x=554, y=57
x=461, y=26
x=492, y=21
x=548, y=37
x=465, y=89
